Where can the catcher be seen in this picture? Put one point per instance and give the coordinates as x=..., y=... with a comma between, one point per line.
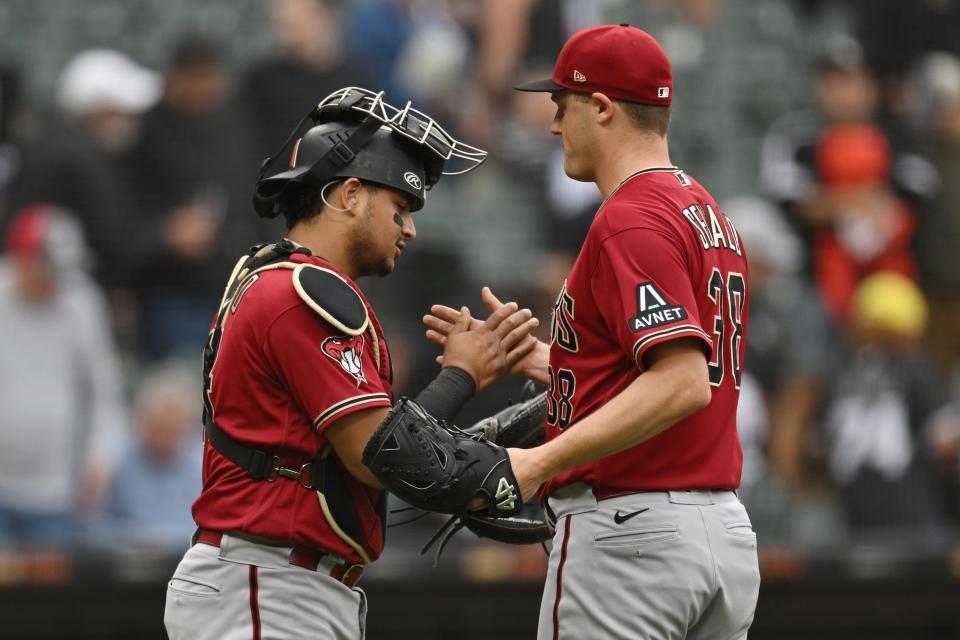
x=298, y=376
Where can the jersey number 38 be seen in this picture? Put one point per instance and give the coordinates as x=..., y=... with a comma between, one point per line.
x=728, y=295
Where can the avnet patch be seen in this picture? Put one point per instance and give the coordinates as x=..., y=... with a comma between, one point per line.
x=653, y=309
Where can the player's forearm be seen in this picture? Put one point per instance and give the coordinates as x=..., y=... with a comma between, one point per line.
x=651, y=404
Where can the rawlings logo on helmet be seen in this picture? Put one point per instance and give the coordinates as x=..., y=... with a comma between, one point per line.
x=413, y=180
x=347, y=352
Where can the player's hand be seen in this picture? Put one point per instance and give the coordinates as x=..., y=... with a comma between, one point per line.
x=528, y=471
x=533, y=365
x=488, y=351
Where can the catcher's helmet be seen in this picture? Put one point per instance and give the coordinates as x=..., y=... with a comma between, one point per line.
x=356, y=134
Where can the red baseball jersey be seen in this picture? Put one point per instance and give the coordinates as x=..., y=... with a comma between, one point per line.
x=660, y=262
x=281, y=377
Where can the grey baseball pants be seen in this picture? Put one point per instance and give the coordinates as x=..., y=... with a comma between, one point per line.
x=243, y=591
x=661, y=565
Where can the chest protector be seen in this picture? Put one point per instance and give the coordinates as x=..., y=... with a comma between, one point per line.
x=340, y=305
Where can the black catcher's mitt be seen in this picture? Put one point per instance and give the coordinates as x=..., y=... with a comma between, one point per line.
x=527, y=527
x=519, y=425
x=439, y=468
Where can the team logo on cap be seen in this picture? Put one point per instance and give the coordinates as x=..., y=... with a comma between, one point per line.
x=413, y=180
x=578, y=77
x=346, y=351
x=663, y=92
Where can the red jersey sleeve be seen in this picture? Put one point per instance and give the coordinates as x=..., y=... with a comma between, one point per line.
x=329, y=374
x=641, y=286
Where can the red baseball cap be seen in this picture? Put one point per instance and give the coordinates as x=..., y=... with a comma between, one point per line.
x=49, y=232
x=620, y=61
x=28, y=232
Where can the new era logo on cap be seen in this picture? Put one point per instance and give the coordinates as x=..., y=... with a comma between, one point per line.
x=578, y=77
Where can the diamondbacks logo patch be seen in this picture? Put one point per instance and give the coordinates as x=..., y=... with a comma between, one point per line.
x=653, y=309
x=347, y=351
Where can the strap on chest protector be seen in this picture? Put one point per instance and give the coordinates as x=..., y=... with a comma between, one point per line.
x=326, y=476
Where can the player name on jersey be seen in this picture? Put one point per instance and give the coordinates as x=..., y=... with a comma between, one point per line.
x=716, y=232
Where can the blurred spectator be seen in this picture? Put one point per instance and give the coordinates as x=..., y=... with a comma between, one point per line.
x=192, y=173
x=376, y=33
x=158, y=477
x=532, y=171
x=412, y=50
x=75, y=160
x=515, y=39
x=789, y=351
x=736, y=67
x=862, y=226
x=885, y=403
x=917, y=28
x=791, y=340
x=309, y=65
x=934, y=113
x=845, y=93
x=9, y=115
x=60, y=390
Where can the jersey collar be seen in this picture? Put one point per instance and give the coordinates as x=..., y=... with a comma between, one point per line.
x=634, y=175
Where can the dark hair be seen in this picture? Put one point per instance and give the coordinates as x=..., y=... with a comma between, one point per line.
x=195, y=50
x=300, y=203
x=646, y=117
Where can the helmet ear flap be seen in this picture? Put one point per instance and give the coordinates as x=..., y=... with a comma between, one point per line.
x=266, y=198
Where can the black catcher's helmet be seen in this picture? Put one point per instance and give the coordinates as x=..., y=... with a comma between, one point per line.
x=356, y=134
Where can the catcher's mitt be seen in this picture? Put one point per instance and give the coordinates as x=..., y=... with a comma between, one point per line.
x=527, y=527
x=439, y=468
x=519, y=425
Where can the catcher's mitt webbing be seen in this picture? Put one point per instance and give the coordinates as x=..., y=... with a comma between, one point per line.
x=519, y=425
x=439, y=468
x=527, y=527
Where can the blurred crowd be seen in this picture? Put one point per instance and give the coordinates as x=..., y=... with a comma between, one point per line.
x=125, y=200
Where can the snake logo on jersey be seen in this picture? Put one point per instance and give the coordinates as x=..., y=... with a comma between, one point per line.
x=346, y=351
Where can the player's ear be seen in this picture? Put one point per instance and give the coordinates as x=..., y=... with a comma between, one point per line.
x=350, y=193
x=603, y=106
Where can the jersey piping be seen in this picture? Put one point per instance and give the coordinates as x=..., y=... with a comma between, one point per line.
x=671, y=332
x=338, y=408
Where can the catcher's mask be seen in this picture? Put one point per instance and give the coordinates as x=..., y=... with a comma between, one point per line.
x=354, y=133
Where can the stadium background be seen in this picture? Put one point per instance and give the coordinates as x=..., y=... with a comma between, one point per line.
x=828, y=131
